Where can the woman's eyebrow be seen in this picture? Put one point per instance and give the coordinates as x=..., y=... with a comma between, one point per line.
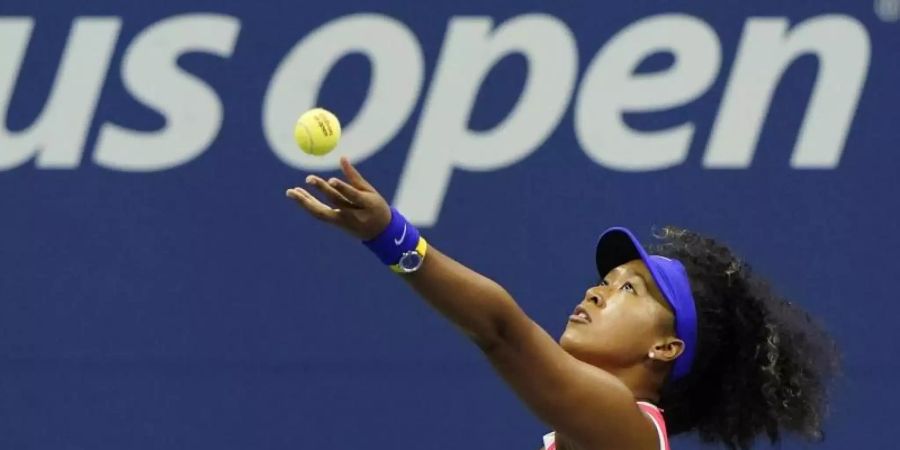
x=647, y=283
x=641, y=278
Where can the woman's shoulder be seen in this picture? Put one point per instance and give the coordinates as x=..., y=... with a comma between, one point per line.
x=653, y=413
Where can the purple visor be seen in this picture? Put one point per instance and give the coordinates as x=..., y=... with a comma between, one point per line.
x=618, y=246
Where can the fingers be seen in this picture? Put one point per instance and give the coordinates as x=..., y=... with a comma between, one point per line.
x=312, y=205
x=349, y=192
x=337, y=198
x=353, y=175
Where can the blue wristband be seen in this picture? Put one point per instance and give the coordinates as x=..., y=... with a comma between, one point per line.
x=399, y=237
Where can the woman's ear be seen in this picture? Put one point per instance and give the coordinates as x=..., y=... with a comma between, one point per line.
x=667, y=350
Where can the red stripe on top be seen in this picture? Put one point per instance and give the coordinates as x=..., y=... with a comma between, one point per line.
x=655, y=414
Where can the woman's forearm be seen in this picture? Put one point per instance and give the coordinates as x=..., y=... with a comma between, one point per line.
x=475, y=303
x=483, y=309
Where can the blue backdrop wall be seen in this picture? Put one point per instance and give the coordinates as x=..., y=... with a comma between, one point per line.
x=157, y=291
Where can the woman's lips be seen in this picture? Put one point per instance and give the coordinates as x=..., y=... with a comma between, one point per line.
x=580, y=315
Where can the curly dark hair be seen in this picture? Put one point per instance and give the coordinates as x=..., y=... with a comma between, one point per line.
x=762, y=364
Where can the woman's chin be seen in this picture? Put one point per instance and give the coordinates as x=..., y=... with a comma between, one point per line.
x=570, y=339
x=579, y=341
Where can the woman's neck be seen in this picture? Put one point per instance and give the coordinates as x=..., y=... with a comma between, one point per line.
x=643, y=383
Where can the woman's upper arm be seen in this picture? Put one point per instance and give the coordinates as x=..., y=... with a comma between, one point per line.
x=581, y=401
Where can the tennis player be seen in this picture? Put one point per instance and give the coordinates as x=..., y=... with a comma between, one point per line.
x=683, y=337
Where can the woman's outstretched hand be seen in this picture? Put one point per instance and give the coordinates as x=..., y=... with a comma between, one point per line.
x=356, y=206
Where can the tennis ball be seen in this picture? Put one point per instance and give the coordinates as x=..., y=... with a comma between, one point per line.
x=317, y=131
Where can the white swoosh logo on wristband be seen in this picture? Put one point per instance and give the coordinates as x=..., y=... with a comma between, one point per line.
x=402, y=236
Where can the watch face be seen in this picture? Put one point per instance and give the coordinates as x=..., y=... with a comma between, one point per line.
x=410, y=261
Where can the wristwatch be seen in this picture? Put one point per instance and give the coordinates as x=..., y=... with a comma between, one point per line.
x=412, y=260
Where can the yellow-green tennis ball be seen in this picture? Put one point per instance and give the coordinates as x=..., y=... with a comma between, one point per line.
x=317, y=131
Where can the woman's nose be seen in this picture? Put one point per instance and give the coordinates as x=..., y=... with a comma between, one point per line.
x=594, y=297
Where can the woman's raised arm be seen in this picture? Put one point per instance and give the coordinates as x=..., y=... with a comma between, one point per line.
x=580, y=401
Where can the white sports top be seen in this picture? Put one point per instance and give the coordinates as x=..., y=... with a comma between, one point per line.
x=655, y=415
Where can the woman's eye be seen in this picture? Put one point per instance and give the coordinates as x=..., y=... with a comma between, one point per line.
x=628, y=287
x=602, y=283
